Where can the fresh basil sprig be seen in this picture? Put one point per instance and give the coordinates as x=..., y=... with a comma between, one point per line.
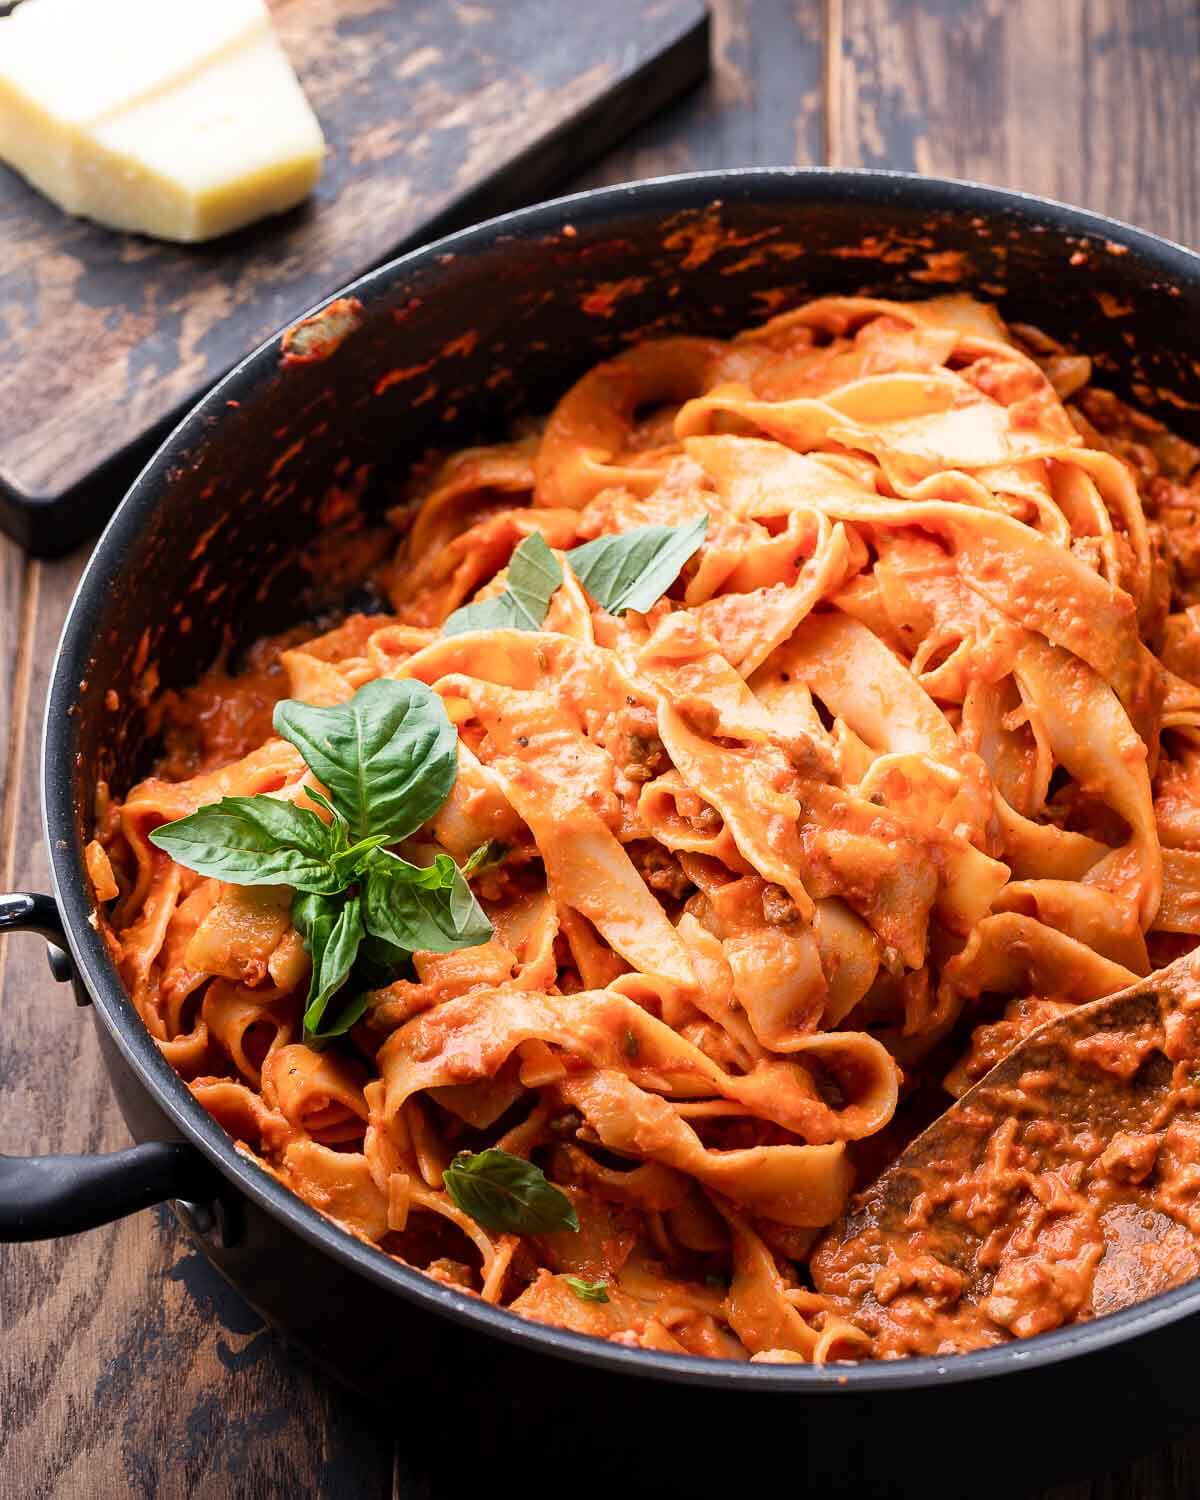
x=588, y=1291
x=533, y=574
x=634, y=569
x=507, y=1194
x=628, y=570
x=388, y=758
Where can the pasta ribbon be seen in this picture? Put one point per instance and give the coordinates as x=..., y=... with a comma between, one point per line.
x=473, y=1037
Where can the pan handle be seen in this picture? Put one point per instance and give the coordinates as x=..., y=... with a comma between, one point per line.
x=42, y=1197
x=26, y=911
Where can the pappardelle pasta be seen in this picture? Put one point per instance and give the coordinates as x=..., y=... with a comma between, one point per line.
x=781, y=728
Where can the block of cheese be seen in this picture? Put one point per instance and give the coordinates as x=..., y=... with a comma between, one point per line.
x=181, y=119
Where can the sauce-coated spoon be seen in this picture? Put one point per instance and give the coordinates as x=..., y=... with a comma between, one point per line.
x=1063, y=1185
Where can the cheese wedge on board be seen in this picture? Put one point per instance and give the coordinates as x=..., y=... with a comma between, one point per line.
x=181, y=119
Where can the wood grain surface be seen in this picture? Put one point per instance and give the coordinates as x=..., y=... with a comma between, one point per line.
x=126, y=1368
x=433, y=113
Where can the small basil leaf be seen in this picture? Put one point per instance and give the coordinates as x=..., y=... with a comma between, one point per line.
x=339, y=826
x=432, y=910
x=485, y=856
x=533, y=574
x=313, y=916
x=439, y=876
x=633, y=569
x=253, y=841
x=467, y=919
x=588, y=1291
x=388, y=757
x=350, y=861
x=348, y=1016
x=507, y=1194
x=332, y=928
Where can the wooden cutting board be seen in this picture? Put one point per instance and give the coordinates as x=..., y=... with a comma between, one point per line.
x=435, y=114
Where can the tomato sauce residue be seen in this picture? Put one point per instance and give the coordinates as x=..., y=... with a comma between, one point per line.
x=402, y=373
x=943, y=265
x=601, y=301
x=316, y=338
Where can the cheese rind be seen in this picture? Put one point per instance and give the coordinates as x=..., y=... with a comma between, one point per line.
x=183, y=121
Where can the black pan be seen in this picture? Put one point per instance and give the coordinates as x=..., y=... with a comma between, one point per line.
x=209, y=548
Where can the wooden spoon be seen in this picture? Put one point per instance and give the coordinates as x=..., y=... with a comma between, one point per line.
x=1063, y=1185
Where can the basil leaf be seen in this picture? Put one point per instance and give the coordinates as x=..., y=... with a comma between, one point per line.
x=588, y=1291
x=350, y=861
x=253, y=841
x=388, y=757
x=431, y=909
x=332, y=928
x=507, y=1193
x=347, y=1017
x=339, y=826
x=633, y=569
x=380, y=962
x=533, y=574
x=467, y=919
x=439, y=876
x=487, y=855
x=313, y=916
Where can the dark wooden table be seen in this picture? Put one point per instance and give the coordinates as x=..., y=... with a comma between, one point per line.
x=126, y=1367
